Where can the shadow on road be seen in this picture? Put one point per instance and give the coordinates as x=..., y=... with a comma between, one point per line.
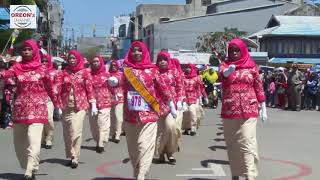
x=115, y=178
x=11, y=176
x=63, y=162
x=219, y=133
x=219, y=139
x=201, y=179
x=214, y=148
x=205, y=163
x=91, y=148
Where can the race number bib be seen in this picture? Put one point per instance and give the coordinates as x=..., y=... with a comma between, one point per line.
x=136, y=102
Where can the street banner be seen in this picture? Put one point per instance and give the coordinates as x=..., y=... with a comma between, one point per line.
x=23, y=17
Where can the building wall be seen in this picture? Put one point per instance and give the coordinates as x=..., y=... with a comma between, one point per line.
x=183, y=34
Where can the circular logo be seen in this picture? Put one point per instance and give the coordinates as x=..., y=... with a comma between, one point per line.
x=22, y=16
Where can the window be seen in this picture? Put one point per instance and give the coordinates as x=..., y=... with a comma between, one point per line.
x=122, y=30
x=188, y=1
x=205, y=2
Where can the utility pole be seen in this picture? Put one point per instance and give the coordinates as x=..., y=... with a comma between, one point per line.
x=49, y=27
x=72, y=37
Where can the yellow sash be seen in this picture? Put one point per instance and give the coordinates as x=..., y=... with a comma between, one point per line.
x=139, y=87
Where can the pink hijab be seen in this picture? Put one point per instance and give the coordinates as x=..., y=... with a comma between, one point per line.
x=177, y=65
x=32, y=64
x=102, y=67
x=80, y=62
x=50, y=63
x=193, y=72
x=170, y=64
x=145, y=63
x=114, y=63
x=245, y=61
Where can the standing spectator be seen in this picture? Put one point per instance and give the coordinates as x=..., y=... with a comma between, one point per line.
x=295, y=88
x=311, y=91
x=243, y=96
x=281, y=86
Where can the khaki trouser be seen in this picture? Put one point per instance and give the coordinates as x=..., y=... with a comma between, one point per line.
x=200, y=115
x=72, y=132
x=116, y=120
x=240, y=136
x=141, y=140
x=48, y=128
x=169, y=134
x=190, y=119
x=100, y=126
x=27, y=144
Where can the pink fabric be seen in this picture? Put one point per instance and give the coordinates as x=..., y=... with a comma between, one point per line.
x=145, y=63
x=177, y=65
x=245, y=61
x=102, y=67
x=118, y=90
x=29, y=65
x=80, y=62
x=193, y=72
x=272, y=87
x=168, y=58
x=192, y=87
x=50, y=63
x=81, y=82
x=115, y=63
x=242, y=93
x=150, y=78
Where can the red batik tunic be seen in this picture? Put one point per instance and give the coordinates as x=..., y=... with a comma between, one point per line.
x=202, y=91
x=101, y=90
x=154, y=84
x=192, y=88
x=173, y=80
x=117, y=92
x=30, y=105
x=242, y=93
x=81, y=83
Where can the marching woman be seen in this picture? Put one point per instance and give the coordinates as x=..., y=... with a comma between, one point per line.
x=116, y=84
x=100, y=123
x=192, y=85
x=75, y=92
x=30, y=107
x=48, y=128
x=142, y=108
x=202, y=96
x=169, y=127
x=243, y=100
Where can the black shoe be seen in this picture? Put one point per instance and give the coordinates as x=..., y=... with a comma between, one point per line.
x=69, y=163
x=74, y=165
x=172, y=160
x=193, y=133
x=123, y=134
x=160, y=160
x=25, y=177
x=99, y=149
x=48, y=146
x=117, y=141
x=33, y=175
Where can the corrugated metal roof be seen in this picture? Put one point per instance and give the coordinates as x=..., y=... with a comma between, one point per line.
x=290, y=30
x=4, y=15
x=297, y=19
x=295, y=60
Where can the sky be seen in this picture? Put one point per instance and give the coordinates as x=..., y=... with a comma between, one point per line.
x=83, y=15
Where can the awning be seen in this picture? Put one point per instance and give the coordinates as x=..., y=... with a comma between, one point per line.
x=295, y=60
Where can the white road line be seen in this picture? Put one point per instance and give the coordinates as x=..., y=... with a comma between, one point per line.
x=217, y=171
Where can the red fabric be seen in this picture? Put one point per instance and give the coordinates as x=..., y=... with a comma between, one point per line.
x=81, y=82
x=168, y=58
x=151, y=80
x=242, y=93
x=102, y=67
x=192, y=87
x=193, y=72
x=118, y=91
x=29, y=65
x=145, y=63
x=202, y=90
x=115, y=63
x=173, y=82
x=80, y=62
x=245, y=60
x=282, y=100
x=30, y=105
x=177, y=64
x=101, y=91
x=50, y=63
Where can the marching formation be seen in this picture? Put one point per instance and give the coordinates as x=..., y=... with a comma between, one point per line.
x=151, y=104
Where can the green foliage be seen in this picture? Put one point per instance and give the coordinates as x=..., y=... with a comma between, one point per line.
x=91, y=52
x=217, y=41
x=18, y=2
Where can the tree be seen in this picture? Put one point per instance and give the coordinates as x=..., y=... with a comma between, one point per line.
x=91, y=52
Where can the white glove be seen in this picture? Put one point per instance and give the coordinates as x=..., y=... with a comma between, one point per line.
x=263, y=112
x=173, y=109
x=228, y=71
x=206, y=101
x=94, y=110
x=179, y=106
x=185, y=106
x=60, y=111
x=200, y=101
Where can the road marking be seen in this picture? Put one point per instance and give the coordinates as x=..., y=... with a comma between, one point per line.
x=217, y=171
